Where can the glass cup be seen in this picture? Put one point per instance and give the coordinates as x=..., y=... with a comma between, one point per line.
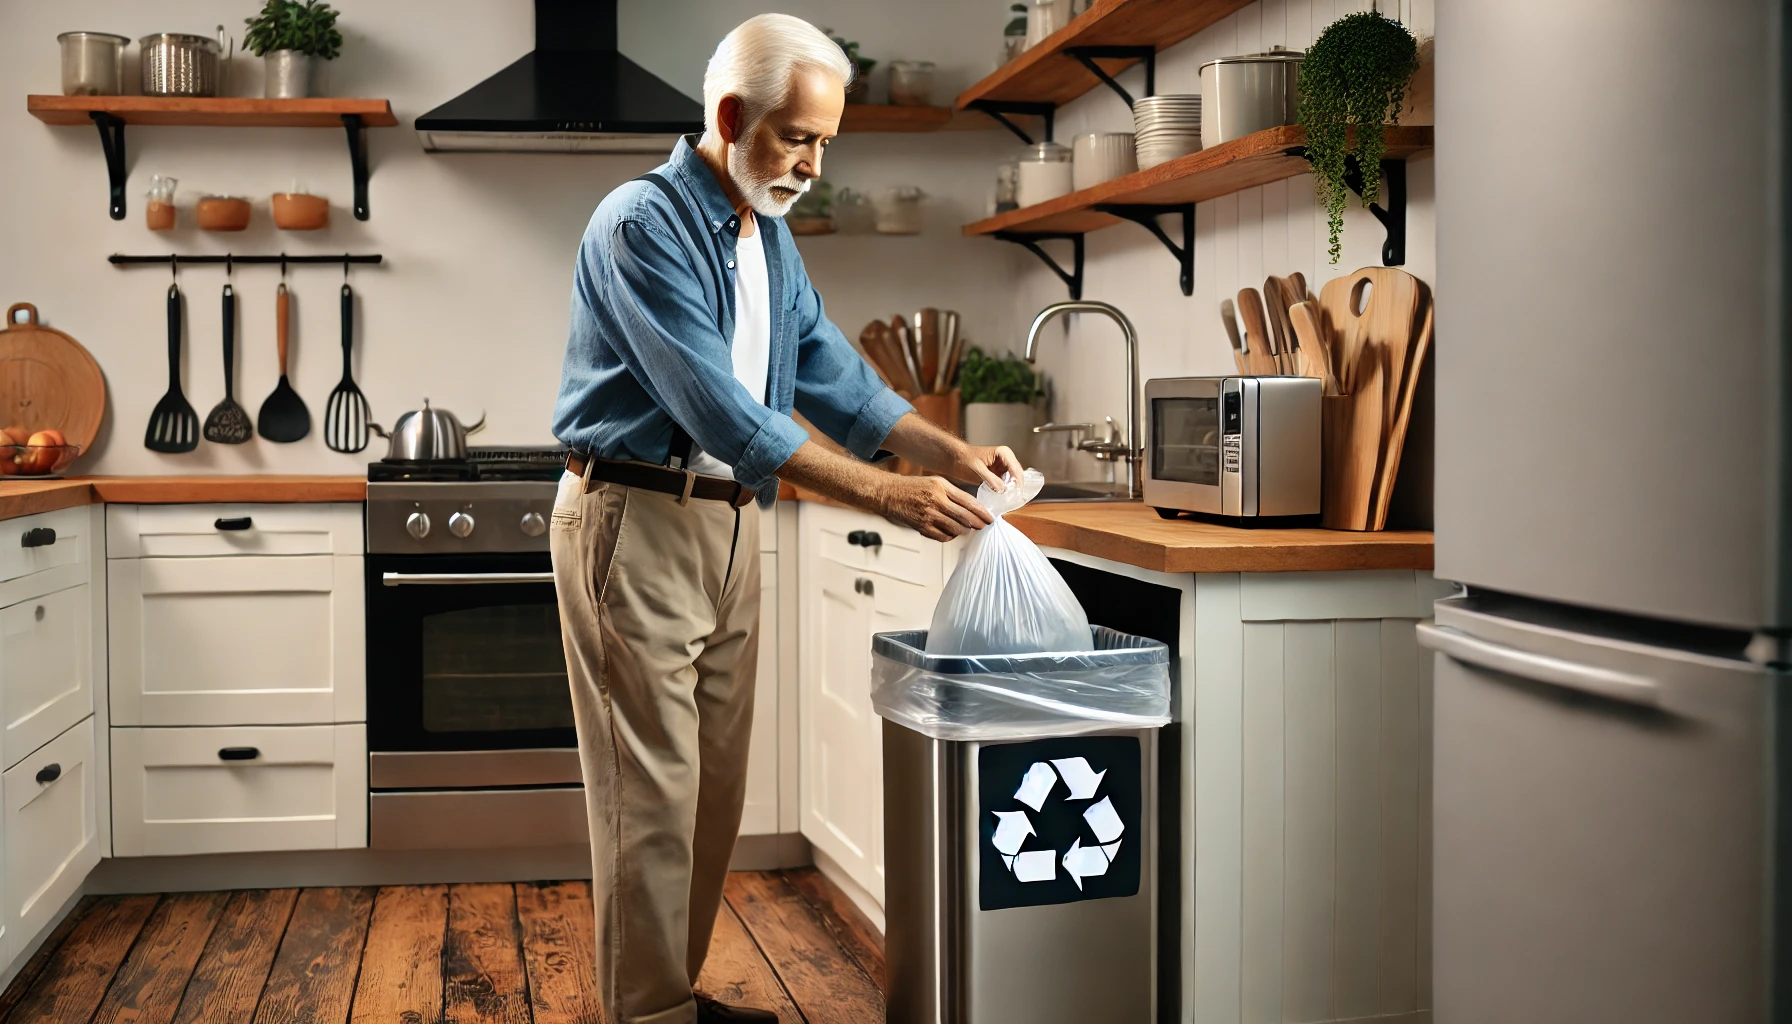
x=158, y=211
x=911, y=83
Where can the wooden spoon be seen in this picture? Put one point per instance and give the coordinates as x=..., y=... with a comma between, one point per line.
x=1258, y=346
x=1230, y=319
x=1315, y=353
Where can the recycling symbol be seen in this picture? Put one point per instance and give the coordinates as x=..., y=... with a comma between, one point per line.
x=1081, y=782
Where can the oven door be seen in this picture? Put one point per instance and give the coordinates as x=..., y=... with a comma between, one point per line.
x=1183, y=449
x=464, y=658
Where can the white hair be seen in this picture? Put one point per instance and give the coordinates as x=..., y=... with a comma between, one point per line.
x=759, y=60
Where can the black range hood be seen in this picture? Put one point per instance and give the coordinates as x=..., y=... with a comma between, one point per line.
x=574, y=94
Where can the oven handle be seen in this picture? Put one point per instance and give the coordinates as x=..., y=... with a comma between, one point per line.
x=411, y=579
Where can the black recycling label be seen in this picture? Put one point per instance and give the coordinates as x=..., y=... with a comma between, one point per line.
x=1058, y=821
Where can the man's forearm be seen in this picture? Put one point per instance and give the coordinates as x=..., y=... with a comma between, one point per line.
x=840, y=477
x=920, y=442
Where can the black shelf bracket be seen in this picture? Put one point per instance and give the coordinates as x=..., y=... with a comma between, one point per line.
x=1087, y=56
x=357, y=160
x=1146, y=216
x=1073, y=279
x=999, y=108
x=111, y=128
x=1392, y=216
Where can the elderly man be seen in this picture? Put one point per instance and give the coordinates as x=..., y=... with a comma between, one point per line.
x=695, y=332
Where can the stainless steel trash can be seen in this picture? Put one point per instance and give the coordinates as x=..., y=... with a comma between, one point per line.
x=1020, y=873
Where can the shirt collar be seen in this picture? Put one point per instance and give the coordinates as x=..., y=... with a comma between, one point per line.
x=718, y=213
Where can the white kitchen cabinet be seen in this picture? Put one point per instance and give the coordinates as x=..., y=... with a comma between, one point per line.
x=215, y=530
x=245, y=640
x=48, y=540
x=238, y=790
x=51, y=823
x=759, y=816
x=46, y=667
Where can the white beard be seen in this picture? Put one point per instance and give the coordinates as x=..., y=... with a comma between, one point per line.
x=758, y=192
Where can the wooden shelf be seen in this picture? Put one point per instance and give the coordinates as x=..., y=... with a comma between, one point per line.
x=209, y=111
x=1047, y=74
x=876, y=117
x=1240, y=164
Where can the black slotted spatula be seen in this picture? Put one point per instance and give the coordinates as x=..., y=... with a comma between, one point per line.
x=173, y=425
x=228, y=422
x=346, y=414
x=283, y=416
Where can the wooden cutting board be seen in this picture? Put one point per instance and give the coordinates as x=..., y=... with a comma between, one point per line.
x=48, y=381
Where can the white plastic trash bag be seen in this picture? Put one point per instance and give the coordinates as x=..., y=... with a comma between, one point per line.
x=1005, y=597
x=1117, y=681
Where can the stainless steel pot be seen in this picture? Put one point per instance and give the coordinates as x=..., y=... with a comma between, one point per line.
x=1248, y=93
x=175, y=64
x=427, y=435
x=92, y=63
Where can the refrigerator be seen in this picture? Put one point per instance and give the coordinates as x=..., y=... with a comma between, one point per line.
x=1610, y=714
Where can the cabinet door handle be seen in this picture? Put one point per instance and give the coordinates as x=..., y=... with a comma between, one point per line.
x=49, y=773
x=872, y=539
x=239, y=754
x=861, y=585
x=39, y=537
x=856, y=538
x=239, y=523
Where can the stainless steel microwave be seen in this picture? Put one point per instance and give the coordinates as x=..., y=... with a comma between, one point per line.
x=1239, y=447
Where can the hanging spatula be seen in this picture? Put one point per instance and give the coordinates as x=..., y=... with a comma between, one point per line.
x=283, y=416
x=228, y=422
x=346, y=414
x=173, y=425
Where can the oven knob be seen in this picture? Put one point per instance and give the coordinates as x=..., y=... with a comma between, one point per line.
x=460, y=524
x=417, y=525
x=533, y=525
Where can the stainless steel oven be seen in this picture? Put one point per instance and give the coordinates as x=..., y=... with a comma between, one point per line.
x=469, y=717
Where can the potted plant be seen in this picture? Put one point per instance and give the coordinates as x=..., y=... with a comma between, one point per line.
x=999, y=396
x=287, y=34
x=860, y=90
x=1352, y=84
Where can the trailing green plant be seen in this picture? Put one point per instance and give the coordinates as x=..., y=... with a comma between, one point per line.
x=863, y=64
x=985, y=378
x=308, y=27
x=1354, y=77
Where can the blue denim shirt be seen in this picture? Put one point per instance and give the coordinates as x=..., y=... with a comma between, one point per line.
x=650, y=338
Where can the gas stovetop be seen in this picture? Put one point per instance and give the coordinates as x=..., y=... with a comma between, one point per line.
x=497, y=500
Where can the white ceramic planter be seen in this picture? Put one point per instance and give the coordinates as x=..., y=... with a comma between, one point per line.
x=1009, y=423
x=288, y=75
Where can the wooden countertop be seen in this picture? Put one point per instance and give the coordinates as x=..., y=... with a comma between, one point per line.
x=21, y=497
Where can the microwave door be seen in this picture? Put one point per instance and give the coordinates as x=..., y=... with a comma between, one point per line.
x=1185, y=450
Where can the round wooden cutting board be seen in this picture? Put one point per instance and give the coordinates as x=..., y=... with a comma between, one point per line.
x=47, y=380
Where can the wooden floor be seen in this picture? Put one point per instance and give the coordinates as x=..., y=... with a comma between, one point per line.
x=421, y=954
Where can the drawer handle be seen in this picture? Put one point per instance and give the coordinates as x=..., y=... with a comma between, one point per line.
x=239, y=523
x=862, y=586
x=865, y=539
x=49, y=773
x=39, y=537
x=239, y=754
x=856, y=538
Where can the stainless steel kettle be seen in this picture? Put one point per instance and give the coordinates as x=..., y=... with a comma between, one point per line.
x=427, y=435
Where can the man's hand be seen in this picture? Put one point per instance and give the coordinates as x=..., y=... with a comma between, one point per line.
x=932, y=505
x=988, y=464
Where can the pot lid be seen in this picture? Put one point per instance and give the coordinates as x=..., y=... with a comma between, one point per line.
x=1273, y=54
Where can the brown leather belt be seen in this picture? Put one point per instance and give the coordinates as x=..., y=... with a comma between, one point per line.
x=685, y=484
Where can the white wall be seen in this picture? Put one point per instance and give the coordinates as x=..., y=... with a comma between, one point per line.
x=471, y=308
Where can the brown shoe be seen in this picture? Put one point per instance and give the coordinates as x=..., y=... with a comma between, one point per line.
x=709, y=1011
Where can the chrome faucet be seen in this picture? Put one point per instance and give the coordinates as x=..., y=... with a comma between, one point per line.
x=1112, y=449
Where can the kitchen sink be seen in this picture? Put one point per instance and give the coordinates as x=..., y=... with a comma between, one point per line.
x=1078, y=492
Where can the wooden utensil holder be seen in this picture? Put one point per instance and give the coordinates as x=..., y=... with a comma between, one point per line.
x=942, y=409
x=1352, y=453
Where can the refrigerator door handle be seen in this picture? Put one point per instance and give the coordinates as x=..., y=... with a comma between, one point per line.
x=1602, y=682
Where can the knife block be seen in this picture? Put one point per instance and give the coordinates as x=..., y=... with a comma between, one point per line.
x=943, y=410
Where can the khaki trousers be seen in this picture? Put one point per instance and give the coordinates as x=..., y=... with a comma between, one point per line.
x=659, y=609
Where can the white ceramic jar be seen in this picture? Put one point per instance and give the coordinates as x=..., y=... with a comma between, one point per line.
x=1044, y=173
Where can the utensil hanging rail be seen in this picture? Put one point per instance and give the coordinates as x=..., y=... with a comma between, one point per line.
x=343, y=260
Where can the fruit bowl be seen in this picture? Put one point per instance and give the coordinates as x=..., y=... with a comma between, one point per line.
x=36, y=459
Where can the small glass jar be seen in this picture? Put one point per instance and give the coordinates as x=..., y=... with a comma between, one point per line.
x=1014, y=35
x=1043, y=19
x=1005, y=196
x=899, y=210
x=1045, y=173
x=158, y=210
x=853, y=213
x=911, y=83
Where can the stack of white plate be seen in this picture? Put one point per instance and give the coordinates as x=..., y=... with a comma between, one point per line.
x=1166, y=127
x=1101, y=156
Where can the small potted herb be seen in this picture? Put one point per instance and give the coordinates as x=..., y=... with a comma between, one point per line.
x=999, y=396
x=1352, y=84
x=860, y=90
x=286, y=35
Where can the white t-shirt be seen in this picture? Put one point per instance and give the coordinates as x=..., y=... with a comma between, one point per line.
x=752, y=344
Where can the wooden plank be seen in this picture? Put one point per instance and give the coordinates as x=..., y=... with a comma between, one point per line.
x=401, y=968
x=1260, y=986
x=849, y=925
x=814, y=969
x=148, y=987
x=227, y=983
x=211, y=111
x=1220, y=170
x=1399, y=817
x=483, y=979
x=29, y=497
x=1045, y=73
x=879, y=117
x=21, y=982
x=313, y=977
x=186, y=490
x=1219, y=787
x=736, y=972
x=1357, y=927
x=1309, y=831
x=74, y=982
x=559, y=951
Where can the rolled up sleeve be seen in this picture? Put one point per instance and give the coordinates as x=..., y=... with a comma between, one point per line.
x=672, y=346
x=835, y=388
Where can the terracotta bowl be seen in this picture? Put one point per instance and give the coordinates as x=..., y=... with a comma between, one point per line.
x=221, y=213
x=300, y=211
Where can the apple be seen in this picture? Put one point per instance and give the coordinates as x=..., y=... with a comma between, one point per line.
x=56, y=434
x=15, y=435
x=40, y=454
x=9, y=462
